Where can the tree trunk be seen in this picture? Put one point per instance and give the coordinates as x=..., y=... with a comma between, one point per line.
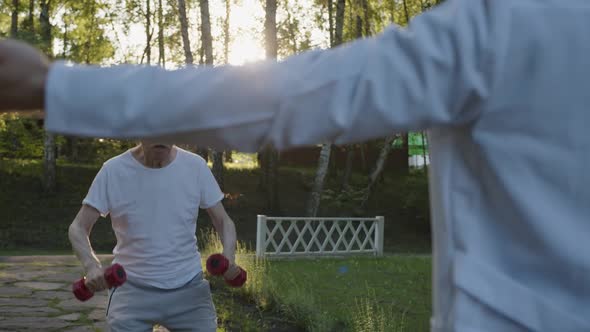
x=363, y=158
x=226, y=43
x=49, y=163
x=263, y=165
x=379, y=165
x=148, y=33
x=406, y=137
x=46, y=38
x=66, y=40
x=313, y=202
x=188, y=55
x=14, y=20
x=392, y=11
x=161, y=48
x=270, y=157
x=350, y=150
x=29, y=23
x=273, y=182
x=359, y=27
x=72, y=148
x=331, y=21
x=228, y=156
x=292, y=34
x=406, y=152
x=324, y=159
x=226, y=36
x=71, y=141
x=217, y=169
x=406, y=12
x=424, y=154
x=270, y=29
x=367, y=13
x=206, y=38
x=207, y=42
x=340, y=7
x=49, y=157
x=348, y=168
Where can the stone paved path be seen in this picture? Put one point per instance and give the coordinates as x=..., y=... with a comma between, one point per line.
x=35, y=295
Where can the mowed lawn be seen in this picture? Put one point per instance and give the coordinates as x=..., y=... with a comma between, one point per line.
x=391, y=293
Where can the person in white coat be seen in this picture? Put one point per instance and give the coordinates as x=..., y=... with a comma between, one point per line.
x=502, y=87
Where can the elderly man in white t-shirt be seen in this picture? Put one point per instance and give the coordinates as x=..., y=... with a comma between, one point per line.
x=153, y=193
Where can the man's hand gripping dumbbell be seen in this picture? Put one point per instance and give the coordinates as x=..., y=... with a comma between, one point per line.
x=113, y=276
x=218, y=264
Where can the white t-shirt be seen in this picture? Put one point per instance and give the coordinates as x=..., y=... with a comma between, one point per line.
x=154, y=213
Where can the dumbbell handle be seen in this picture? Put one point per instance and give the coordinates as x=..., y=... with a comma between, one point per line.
x=217, y=265
x=114, y=275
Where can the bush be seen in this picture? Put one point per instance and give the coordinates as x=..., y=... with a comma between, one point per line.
x=415, y=198
x=94, y=151
x=20, y=138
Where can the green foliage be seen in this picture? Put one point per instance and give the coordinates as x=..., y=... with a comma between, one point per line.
x=84, y=35
x=172, y=33
x=4, y=18
x=414, y=199
x=33, y=220
x=293, y=35
x=94, y=151
x=20, y=138
x=344, y=197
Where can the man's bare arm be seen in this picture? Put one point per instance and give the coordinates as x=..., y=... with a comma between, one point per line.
x=226, y=229
x=79, y=234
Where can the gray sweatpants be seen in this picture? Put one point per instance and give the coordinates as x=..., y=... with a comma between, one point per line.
x=137, y=308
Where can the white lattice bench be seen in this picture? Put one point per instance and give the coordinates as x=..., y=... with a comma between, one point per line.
x=294, y=236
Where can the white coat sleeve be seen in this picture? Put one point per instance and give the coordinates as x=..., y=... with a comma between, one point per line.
x=400, y=80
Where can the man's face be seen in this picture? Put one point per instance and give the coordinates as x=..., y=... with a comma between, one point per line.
x=155, y=150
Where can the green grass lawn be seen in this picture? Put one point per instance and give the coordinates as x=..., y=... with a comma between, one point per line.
x=390, y=293
x=363, y=293
x=357, y=294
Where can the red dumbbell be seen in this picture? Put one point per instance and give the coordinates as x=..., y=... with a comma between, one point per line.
x=217, y=264
x=114, y=275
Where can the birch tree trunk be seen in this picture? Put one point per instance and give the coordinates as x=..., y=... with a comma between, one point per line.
x=186, y=43
x=49, y=156
x=148, y=32
x=14, y=19
x=350, y=149
x=207, y=44
x=313, y=202
x=30, y=21
x=161, y=48
x=270, y=156
x=379, y=165
x=226, y=42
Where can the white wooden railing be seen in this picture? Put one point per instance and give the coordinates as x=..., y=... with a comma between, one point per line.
x=292, y=236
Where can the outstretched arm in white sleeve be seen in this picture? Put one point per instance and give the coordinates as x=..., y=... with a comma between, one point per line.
x=401, y=80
